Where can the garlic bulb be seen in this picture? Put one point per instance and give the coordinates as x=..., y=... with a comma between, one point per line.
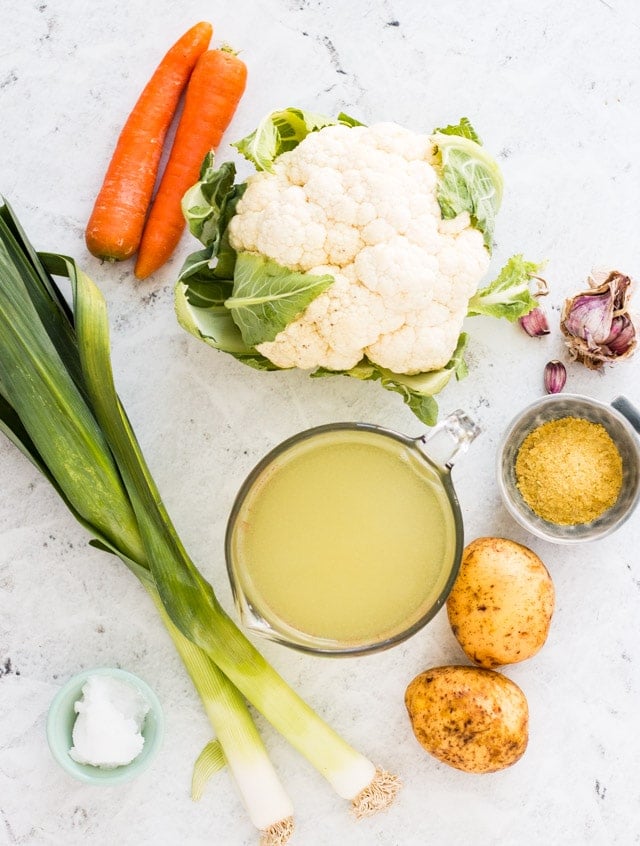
x=596, y=323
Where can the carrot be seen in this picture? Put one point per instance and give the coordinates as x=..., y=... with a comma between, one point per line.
x=117, y=220
x=214, y=91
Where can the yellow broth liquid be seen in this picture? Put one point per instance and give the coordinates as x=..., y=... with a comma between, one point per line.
x=348, y=537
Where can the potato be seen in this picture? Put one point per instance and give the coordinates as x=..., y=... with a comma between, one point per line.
x=473, y=719
x=501, y=604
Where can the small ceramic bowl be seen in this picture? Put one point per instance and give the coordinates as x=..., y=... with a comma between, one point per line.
x=62, y=716
x=619, y=419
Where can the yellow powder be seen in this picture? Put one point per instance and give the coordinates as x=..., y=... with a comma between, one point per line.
x=569, y=471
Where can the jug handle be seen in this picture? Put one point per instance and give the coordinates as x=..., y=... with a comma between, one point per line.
x=628, y=410
x=449, y=439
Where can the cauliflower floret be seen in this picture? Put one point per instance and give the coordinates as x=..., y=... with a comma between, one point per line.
x=425, y=341
x=400, y=271
x=361, y=204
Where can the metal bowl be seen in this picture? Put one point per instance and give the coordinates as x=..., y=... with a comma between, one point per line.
x=619, y=419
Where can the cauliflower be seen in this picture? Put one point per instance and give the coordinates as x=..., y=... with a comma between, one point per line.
x=360, y=203
x=352, y=249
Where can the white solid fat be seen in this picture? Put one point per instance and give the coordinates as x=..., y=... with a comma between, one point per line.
x=108, y=729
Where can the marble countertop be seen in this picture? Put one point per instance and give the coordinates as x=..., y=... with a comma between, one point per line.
x=552, y=89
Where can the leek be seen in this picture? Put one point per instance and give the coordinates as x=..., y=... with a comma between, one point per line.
x=45, y=410
x=59, y=405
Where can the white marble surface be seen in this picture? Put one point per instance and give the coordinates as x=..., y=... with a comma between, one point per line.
x=552, y=88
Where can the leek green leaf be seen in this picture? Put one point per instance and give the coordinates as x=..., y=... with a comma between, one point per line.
x=39, y=385
x=184, y=592
x=141, y=571
x=207, y=764
x=51, y=307
x=11, y=426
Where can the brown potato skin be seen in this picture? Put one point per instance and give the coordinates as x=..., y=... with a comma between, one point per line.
x=470, y=718
x=501, y=604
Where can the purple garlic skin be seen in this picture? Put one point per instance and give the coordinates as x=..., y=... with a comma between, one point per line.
x=597, y=325
x=555, y=376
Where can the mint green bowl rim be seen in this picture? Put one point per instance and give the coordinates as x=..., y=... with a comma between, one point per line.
x=61, y=718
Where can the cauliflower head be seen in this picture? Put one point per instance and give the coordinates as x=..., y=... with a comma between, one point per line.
x=351, y=249
x=361, y=204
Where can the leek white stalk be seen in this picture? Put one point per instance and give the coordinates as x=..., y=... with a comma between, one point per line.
x=262, y=793
x=55, y=367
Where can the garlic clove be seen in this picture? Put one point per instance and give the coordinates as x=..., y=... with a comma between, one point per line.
x=622, y=335
x=535, y=323
x=555, y=376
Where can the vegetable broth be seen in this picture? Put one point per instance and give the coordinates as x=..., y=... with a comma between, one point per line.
x=347, y=536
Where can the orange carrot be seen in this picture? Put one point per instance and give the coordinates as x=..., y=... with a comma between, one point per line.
x=214, y=91
x=115, y=226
